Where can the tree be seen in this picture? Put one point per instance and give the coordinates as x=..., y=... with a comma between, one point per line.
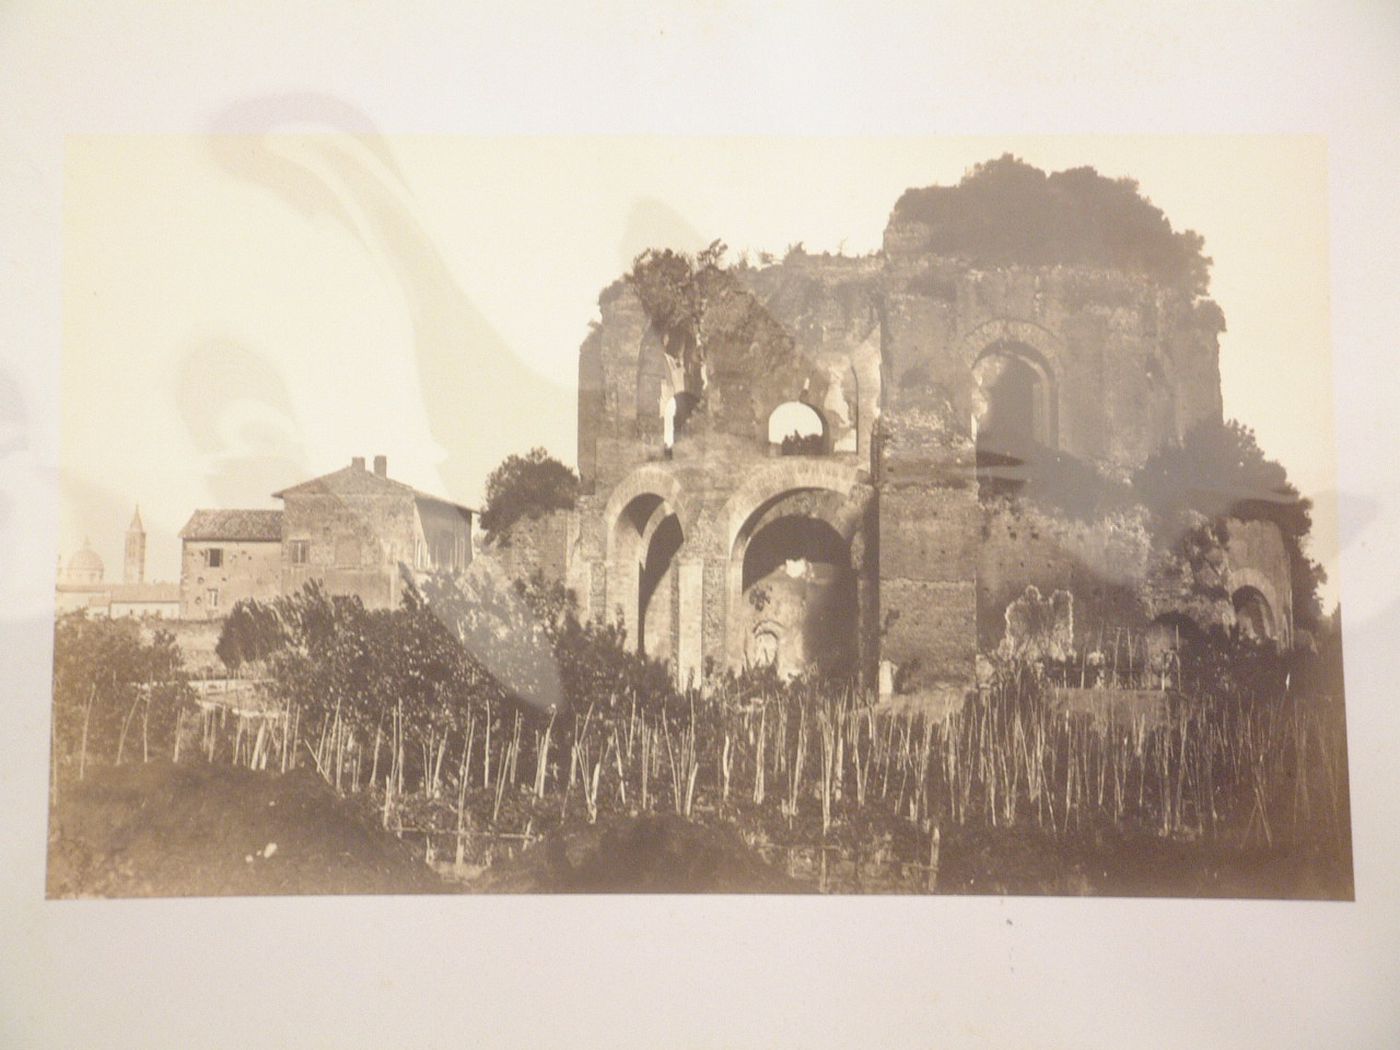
x=1219, y=471
x=251, y=634
x=114, y=694
x=527, y=486
x=1007, y=212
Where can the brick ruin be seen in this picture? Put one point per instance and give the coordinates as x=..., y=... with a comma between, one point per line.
x=809, y=476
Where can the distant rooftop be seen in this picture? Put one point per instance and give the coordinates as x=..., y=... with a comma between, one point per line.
x=356, y=479
x=233, y=525
x=145, y=592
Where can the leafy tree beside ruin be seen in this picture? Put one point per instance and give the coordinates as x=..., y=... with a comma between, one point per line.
x=1220, y=471
x=527, y=486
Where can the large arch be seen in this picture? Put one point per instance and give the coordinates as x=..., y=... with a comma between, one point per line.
x=635, y=512
x=1277, y=615
x=827, y=497
x=1254, y=616
x=1015, y=400
x=799, y=604
x=1030, y=345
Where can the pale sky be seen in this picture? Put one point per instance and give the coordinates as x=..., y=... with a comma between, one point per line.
x=242, y=313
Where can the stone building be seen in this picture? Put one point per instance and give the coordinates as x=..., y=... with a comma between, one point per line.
x=353, y=528
x=80, y=583
x=228, y=556
x=350, y=530
x=802, y=477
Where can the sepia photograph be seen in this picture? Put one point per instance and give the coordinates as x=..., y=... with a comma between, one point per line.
x=699, y=524
x=954, y=562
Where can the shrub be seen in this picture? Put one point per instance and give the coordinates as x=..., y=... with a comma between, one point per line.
x=527, y=486
x=1007, y=212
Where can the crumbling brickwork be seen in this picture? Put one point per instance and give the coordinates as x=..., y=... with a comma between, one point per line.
x=868, y=542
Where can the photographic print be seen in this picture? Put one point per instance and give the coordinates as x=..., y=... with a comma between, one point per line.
x=635, y=515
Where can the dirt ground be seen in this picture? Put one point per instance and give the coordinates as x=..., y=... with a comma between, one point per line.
x=195, y=830
x=163, y=830
x=644, y=854
x=198, y=830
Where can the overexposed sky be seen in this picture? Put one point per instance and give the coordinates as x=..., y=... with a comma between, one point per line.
x=243, y=312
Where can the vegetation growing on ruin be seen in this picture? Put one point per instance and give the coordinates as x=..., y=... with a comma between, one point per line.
x=1007, y=212
x=701, y=311
x=526, y=487
x=1220, y=471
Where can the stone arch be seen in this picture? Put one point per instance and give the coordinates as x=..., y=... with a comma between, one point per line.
x=648, y=479
x=797, y=428
x=798, y=588
x=1245, y=582
x=646, y=528
x=776, y=479
x=1254, y=615
x=822, y=492
x=1014, y=397
x=1030, y=347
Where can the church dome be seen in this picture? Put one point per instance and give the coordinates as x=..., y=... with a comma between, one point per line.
x=86, y=566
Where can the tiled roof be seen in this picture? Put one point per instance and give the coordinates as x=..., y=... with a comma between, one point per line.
x=233, y=525
x=145, y=592
x=354, y=480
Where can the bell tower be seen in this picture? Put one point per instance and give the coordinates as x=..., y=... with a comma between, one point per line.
x=134, y=567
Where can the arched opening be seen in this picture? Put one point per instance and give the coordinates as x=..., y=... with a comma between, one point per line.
x=1014, y=414
x=658, y=596
x=799, y=597
x=1168, y=636
x=626, y=553
x=674, y=417
x=1254, y=617
x=797, y=429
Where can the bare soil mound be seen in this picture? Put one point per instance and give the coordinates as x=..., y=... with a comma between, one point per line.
x=642, y=854
x=195, y=830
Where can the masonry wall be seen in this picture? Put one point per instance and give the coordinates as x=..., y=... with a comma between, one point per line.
x=251, y=570
x=1257, y=557
x=537, y=545
x=886, y=349
x=1104, y=563
x=354, y=543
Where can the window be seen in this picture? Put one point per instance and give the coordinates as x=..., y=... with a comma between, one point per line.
x=797, y=429
x=211, y=597
x=214, y=557
x=299, y=551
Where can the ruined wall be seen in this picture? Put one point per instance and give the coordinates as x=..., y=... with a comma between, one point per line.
x=537, y=545
x=1257, y=557
x=1131, y=366
x=1105, y=563
x=890, y=350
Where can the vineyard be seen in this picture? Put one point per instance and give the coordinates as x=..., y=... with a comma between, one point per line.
x=414, y=714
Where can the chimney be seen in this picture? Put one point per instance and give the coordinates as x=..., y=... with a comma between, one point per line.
x=358, y=462
x=381, y=466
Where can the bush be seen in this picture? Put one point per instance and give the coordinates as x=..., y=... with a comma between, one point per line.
x=1220, y=471
x=1007, y=212
x=114, y=694
x=527, y=486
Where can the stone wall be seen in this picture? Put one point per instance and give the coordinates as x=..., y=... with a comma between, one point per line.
x=537, y=545
x=890, y=351
x=355, y=542
x=249, y=570
x=1257, y=557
